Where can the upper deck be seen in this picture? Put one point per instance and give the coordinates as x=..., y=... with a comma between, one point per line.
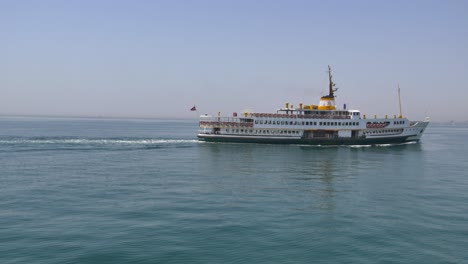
x=309, y=114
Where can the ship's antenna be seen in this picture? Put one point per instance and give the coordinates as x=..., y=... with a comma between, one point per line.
x=399, y=100
x=331, y=85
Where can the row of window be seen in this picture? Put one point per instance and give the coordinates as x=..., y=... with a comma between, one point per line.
x=398, y=122
x=385, y=131
x=260, y=131
x=338, y=113
x=305, y=123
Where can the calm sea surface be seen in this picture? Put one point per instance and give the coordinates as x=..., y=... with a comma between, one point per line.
x=146, y=191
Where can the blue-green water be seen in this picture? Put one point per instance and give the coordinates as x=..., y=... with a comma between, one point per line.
x=145, y=191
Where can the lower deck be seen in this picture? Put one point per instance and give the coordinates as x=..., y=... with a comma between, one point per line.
x=307, y=141
x=327, y=133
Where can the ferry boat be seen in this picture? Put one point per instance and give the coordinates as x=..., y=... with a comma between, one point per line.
x=322, y=124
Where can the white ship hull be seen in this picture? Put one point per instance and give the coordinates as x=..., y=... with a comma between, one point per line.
x=361, y=132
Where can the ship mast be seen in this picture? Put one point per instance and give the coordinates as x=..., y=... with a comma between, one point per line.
x=399, y=100
x=331, y=84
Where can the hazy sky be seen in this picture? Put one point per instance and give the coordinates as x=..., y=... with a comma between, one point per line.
x=159, y=58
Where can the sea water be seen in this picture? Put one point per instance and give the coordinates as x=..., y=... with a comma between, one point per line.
x=146, y=191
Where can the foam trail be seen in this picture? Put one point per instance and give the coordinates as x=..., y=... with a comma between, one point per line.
x=78, y=141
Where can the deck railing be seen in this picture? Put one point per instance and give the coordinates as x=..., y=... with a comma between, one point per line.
x=308, y=116
x=226, y=124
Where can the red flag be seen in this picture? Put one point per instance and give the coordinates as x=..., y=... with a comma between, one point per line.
x=193, y=108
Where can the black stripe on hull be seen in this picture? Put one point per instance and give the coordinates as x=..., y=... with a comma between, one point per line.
x=337, y=141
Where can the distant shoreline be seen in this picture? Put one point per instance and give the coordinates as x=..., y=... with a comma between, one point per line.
x=98, y=117
x=447, y=123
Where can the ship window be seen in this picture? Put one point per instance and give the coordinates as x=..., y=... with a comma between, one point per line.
x=291, y=122
x=320, y=123
x=307, y=123
x=269, y=122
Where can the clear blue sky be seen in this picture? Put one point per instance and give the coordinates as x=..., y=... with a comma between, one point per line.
x=159, y=58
